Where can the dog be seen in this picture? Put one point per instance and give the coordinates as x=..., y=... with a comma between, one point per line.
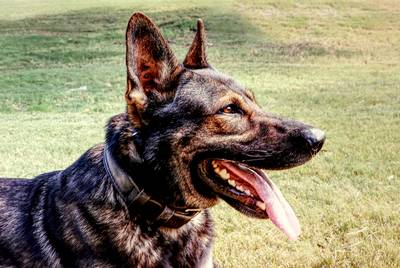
x=190, y=137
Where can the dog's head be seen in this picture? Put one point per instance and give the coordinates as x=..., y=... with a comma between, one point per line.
x=205, y=133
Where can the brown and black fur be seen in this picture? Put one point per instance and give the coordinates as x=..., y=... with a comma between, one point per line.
x=77, y=218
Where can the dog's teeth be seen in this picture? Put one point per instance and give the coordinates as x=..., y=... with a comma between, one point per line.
x=214, y=164
x=231, y=182
x=224, y=174
x=248, y=192
x=261, y=205
x=240, y=188
x=217, y=170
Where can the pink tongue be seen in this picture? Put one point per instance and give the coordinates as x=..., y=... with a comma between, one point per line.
x=277, y=208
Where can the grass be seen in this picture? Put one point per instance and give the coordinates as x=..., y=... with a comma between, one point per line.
x=334, y=64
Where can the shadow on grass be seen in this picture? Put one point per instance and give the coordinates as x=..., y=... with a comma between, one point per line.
x=86, y=35
x=43, y=58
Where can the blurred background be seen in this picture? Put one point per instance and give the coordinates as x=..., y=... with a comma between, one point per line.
x=334, y=64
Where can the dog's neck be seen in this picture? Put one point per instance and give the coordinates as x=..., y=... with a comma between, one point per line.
x=136, y=181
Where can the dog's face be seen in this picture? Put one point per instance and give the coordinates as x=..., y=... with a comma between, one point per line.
x=206, y=133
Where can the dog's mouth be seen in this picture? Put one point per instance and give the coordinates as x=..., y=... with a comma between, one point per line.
x=250, y=191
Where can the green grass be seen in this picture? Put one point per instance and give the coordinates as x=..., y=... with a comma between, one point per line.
x=334, y=64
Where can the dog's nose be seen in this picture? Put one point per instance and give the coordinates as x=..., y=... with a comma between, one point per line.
x=315, y=138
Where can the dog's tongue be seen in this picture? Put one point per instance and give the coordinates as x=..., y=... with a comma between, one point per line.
x=277, y=208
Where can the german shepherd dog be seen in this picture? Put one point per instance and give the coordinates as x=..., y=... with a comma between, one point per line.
x=190, y=136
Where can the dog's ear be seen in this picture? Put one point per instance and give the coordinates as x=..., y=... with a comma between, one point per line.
x=196, y=57
x=152, y=67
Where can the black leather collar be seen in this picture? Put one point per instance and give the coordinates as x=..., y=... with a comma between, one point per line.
x=143, y=205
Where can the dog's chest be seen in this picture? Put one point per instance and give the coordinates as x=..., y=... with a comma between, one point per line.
x=189, y=246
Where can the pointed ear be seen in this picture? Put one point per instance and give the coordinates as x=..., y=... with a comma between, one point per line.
x=196, y=57
x=152, y=67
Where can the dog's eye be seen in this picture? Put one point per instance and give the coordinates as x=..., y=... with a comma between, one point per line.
x=231, y=109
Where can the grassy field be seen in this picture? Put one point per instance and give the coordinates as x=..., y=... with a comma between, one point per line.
x=335, y=64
